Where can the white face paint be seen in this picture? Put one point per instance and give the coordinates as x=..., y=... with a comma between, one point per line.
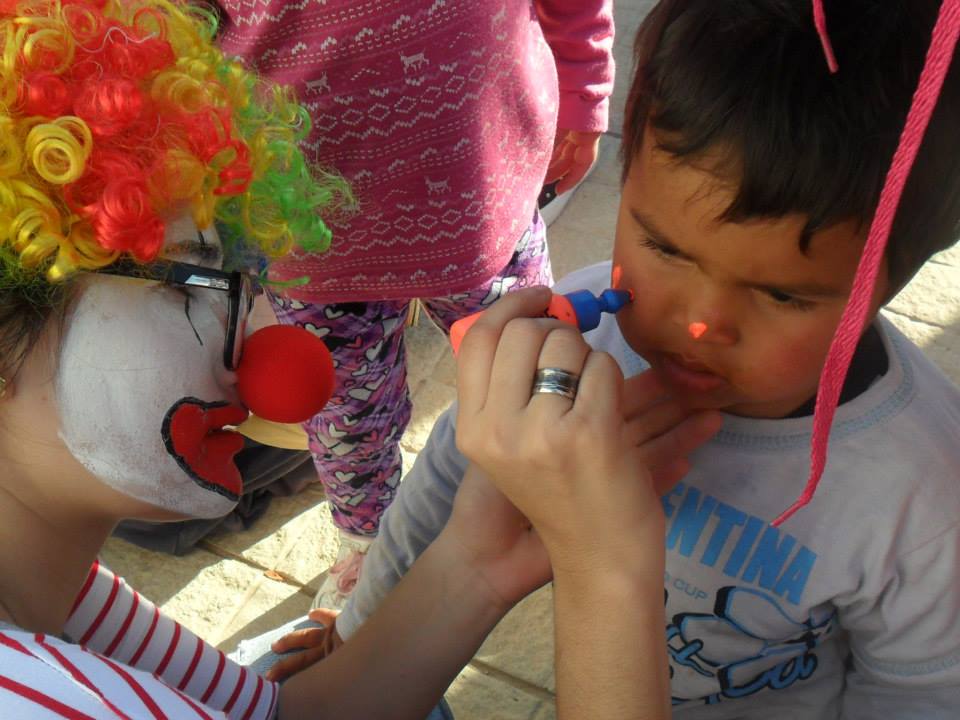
x=132, y=350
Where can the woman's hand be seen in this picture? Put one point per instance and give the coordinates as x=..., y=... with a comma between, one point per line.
x=588, y=473
x=496, y=541
x=580, y=470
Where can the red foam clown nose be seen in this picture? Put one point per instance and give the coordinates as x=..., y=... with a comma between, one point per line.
x=285, y=375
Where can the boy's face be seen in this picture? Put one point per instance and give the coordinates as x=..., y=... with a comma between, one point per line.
x=767, y=311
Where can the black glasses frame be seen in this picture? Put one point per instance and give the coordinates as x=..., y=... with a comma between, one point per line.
x=240, y=288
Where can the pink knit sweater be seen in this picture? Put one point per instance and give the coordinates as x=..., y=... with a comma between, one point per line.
x=441, y=115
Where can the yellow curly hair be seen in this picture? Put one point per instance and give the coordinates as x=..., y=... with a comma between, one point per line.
x=115, y=114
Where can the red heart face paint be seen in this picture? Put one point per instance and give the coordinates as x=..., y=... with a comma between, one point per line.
x=193, y=432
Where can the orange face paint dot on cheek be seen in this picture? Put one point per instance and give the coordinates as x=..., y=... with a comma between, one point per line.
x=697, y=329
x=615, y=277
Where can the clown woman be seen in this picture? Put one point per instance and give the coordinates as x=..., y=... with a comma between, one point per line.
x=126, y=138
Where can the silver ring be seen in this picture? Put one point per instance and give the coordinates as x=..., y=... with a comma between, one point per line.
x=554, y=381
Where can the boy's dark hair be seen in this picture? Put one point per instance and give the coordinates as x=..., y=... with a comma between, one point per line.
x=749, y=77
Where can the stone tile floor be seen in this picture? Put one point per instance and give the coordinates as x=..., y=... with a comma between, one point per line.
x=239, y=585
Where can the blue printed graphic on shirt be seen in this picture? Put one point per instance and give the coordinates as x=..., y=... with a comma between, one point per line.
x=732, y=653
x=751, y=641
x=745, y=547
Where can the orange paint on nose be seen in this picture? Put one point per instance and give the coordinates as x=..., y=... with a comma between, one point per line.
x=697, y=329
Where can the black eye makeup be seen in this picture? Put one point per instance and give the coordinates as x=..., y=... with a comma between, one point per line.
x=207, y=252
x=186, y=311
x=204, y=252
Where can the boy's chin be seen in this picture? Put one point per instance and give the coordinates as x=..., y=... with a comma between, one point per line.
x=766, y=410
x=692, y=402
x=725, y=403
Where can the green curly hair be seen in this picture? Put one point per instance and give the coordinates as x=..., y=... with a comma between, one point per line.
x=115, y=115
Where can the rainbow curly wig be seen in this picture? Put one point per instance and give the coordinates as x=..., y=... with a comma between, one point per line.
x=117, y=113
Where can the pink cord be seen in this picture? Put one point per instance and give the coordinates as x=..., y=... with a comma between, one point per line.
x=820, y=20
x=939, y=56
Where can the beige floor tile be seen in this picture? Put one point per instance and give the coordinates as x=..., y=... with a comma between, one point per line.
x=311, y=549
x=933, y=296
x=426, y=345
x=477, y=696
x=199, y=590
x=522, y=644
x=547, y=711
x=628, y=14
x=408, y=457
x=431, y=399
x=290, y=522
x=950, y=256
x=618, y=99
x=584, y=233
x=627, y=17
x=942, y=345
x=445, y=371
x=270, y=604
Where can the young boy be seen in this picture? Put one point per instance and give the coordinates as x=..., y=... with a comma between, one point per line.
x=751, y=177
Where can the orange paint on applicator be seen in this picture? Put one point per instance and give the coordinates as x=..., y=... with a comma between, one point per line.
x=580, y=308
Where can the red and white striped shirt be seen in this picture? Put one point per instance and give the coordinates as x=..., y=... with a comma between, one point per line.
x=129, y=661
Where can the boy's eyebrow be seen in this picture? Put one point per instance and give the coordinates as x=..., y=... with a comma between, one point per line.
x=655, y=233
x=804, y=289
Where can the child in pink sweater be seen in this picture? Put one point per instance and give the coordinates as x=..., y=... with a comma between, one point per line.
x=443, y=116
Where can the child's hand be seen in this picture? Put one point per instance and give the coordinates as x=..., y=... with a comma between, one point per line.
x=573, y=154
x=314, y=644
x=580, y=470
